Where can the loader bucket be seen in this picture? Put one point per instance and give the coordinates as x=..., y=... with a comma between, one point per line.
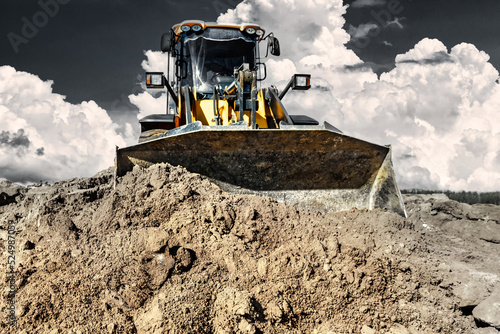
x=312, y=168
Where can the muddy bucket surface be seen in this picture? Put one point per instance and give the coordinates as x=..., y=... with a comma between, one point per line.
x=314, y=169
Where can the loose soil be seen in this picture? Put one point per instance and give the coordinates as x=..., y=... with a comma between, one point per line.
x=167, y=251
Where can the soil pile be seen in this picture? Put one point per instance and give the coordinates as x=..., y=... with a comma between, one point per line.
x=166, y=251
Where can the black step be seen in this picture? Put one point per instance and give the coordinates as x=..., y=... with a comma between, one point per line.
x=303, y=120
x=157, y=121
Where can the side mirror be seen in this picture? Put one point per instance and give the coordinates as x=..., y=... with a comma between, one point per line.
x=181, y=69
x=273, y=45
x=165, y=42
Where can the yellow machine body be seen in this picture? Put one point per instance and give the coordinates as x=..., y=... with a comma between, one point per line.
x=241, y=136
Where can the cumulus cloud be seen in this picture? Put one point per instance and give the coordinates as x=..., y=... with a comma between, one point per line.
x=14, y=140
x=362, y=30
x=151, y=101
x=438, y=108
x=43, y=137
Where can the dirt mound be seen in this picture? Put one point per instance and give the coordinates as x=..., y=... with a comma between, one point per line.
x=167, y=251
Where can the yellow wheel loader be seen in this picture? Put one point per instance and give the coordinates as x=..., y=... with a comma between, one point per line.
x=220, y=123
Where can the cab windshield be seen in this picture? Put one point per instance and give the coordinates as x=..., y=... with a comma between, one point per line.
x=213, y=56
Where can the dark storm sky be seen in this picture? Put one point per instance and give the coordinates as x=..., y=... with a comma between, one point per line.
x=93, y=49
x=450, y=21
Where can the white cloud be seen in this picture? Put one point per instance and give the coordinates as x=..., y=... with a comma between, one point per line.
x=363, y=30
x=441, y=108
x=425, y=49
x=149, y=104
x=151, y=101
x=43, y=137
x=156, y=61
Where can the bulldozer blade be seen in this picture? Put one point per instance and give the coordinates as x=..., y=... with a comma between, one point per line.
x=311, y=167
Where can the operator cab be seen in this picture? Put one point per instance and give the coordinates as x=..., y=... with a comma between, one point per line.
x=216, y=70
x=213, y=56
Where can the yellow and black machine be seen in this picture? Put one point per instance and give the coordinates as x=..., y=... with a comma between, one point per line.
x=223, y=125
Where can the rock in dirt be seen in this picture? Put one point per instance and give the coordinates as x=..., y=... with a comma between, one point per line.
x=485, y=330
x=10, y=192
x=470, y=290
x=367, y=330
x=488, y=311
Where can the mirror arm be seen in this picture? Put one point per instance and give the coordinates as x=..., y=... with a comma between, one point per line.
x=171, y=91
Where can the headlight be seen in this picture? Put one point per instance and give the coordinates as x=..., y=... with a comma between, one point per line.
x=301, y=81
x=185, y=28
x=250, y=30
x=154, y=80
x=196, y=28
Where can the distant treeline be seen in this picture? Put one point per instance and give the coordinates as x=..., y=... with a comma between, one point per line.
x=469, y=197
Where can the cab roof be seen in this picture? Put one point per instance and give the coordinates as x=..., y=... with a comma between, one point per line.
x=197, y=26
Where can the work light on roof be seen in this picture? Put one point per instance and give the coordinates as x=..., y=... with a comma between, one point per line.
x=250, y=30
x=259, y=32
x=196, y=27
x=185, y=28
